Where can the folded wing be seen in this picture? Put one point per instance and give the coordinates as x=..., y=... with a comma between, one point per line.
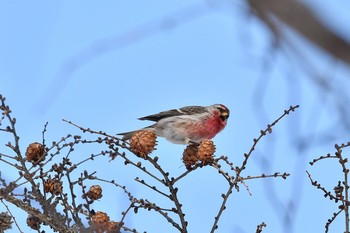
x=189, y=110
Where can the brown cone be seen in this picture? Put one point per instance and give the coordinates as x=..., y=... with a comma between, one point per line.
x=100, y=217
x=33, y=222
x=189, y=157
x=53, y=186
x=206, y=151
x=5, y=221
x=35, y=152
x=94, y=193
x=143, y=142
x=112, y=227
x=100, y=221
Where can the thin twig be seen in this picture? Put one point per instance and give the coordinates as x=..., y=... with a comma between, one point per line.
x=173, y=192
x=259, y=228
x=152, y=187
x=222, y=208
x=262, y=134
x=346, y=183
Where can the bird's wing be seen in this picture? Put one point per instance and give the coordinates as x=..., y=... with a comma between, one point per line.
x=189, y=110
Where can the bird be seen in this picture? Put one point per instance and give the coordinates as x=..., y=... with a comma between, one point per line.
x=186, y=125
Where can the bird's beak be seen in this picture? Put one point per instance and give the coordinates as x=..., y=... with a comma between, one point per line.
x=224, y=116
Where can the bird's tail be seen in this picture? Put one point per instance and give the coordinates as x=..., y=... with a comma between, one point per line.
x=128, y=135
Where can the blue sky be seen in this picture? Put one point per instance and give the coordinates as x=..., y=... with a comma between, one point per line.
x=104, y=65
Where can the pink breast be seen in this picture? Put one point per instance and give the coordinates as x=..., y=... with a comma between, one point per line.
x=211, y=127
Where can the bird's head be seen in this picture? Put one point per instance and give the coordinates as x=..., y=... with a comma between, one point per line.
x=223, y=111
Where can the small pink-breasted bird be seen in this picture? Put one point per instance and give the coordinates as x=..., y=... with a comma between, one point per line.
x=190, y=124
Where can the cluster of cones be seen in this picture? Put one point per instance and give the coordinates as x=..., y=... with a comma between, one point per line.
x=144, y=142
x=101, y=223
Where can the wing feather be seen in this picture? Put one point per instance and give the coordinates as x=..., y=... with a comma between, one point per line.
x=189, y=110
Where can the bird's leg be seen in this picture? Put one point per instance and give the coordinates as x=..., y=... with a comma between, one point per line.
x=189, y=142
